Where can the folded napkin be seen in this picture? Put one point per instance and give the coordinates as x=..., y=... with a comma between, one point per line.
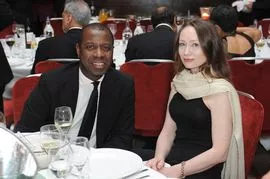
x=241, y=5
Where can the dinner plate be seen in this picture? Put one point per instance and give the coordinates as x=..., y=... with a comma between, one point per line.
x=113, y=163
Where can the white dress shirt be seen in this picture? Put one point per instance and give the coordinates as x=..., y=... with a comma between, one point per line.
x=85, y=90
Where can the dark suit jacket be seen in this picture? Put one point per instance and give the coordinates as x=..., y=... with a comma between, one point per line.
x=63, y=46
x=157, y=44
x=115, y=120
x=6, y=74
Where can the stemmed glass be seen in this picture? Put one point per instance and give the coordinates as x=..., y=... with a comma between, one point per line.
x=113, y=28
x=55, y=147
x=80, y=153
x=10, y=41
x=63, y=120
x=260, y=44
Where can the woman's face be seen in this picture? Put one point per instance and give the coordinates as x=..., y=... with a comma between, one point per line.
x=190, y=50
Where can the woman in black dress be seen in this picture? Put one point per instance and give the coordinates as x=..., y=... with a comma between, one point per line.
x=202, y=133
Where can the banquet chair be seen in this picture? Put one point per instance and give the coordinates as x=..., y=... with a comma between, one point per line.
x=254, y=79
x=120, y=25
x=6, y=31
x=56, y=23
x=20, y=92
x=265, y=25
x=8, y=111
x=47, y=65
x=252, y=121
x=152, y=88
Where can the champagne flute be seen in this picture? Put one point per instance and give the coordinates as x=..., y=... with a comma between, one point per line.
x=63, y=119
x=10, y=41
x=80, y=148
x=260, y=44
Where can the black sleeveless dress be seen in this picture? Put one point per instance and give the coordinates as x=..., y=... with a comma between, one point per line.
x=249, y=53
x=193, y=135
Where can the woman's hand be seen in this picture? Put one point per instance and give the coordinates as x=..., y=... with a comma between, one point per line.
x=155, y=163
x=171, y=172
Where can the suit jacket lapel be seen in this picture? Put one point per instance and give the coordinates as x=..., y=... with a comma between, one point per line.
x=105, y=107
x=68, y=95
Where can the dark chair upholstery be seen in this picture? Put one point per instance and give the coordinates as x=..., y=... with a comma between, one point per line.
x=47, y=65
x=152, y=88
x=252, y=121
x=20, y=92
x=265, y=25
x=254, y=79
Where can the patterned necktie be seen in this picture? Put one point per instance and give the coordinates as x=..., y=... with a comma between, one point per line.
x=90, y=113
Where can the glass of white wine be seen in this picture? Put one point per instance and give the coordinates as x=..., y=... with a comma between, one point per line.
x=259, y=45
x=56, y=148
x=63, y=119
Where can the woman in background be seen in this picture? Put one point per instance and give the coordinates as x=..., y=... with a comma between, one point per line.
x=239, y=42
x=202, y=134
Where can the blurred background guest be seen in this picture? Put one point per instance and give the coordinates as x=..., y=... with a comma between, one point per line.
x=157, y=44
x=239, y=41
x=6, y=75
x=76, y=14
x=253, y=9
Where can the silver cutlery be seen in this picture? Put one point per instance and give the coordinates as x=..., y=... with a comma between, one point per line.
x=135, y=173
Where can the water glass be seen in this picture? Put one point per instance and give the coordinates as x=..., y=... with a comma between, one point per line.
x=80, y=153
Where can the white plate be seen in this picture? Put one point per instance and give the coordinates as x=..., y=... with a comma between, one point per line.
x=113, y=163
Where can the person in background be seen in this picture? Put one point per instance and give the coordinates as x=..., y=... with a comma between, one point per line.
x=238, y=41
x=202, y=133
x=6, y=75
x=157, y=44
x=72, y=85
x=76, y=14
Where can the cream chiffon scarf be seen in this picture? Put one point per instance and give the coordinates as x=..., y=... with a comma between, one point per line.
x=193, y=86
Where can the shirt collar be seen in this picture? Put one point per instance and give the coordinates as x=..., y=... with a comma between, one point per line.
x=164, y=24
x=84, y=80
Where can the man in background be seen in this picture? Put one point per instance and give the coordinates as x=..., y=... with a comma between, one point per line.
x=157, y=44
x=76, y=14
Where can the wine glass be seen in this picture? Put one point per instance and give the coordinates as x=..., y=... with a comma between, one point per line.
x=113, y=28
x=260, y=44
x=10, y=41
x=55, y=147
x=63, y=119
x=268, y=41
x=80, y=153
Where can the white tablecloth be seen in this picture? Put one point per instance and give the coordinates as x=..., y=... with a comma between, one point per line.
x=47, y=174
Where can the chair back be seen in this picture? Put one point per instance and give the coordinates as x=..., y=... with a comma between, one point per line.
x=152, y=88
x=57, y=26
x=252, y=121
x=254, y=79
x=20, y=92
x=47, y=65
x=6, y=31
x=265, y=25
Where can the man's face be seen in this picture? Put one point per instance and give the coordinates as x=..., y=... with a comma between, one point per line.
x=95, y=52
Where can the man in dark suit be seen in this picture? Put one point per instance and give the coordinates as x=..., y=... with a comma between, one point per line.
x=71, y=85
x=76, y=14
x=157, y=44
x=6, y=75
